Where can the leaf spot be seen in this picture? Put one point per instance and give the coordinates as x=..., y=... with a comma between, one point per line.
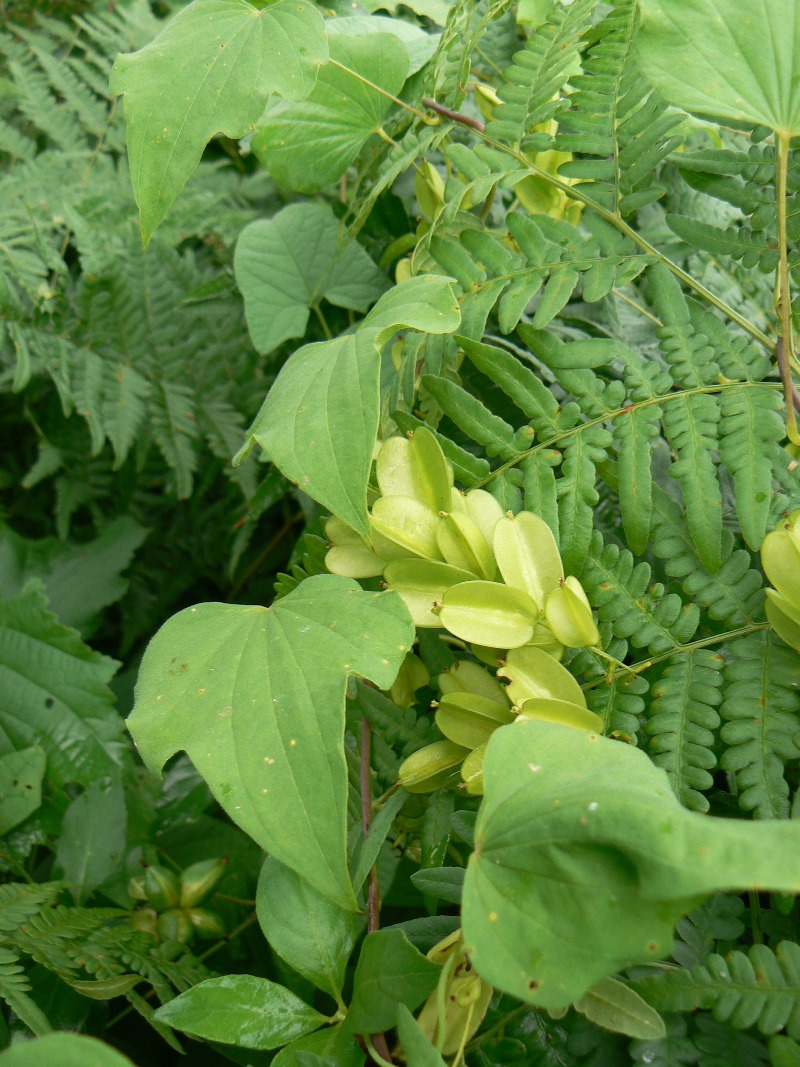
x=492, y=916
x=593, y=806
x=292, y=743
x=269, y=759
x=534, y=767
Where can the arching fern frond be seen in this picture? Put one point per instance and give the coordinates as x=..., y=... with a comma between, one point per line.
x=682, y=724
x=760, y=713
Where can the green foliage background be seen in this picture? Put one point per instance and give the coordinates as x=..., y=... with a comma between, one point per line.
x=573, y=284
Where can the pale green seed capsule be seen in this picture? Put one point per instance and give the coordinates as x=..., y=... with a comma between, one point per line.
x=470, y=720
x=403, y=527
x=561, y=711
x=175, y=925
x=527, y=555
x=570, y=618
x=488, y=613
x=462, y=545
x=161, y=887
x=467, y=677
x=534, y=674
x=433, y=767
x=422, y=584
x=199, y=879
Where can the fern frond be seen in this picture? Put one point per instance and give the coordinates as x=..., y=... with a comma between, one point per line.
x=577, y=495
x=14, y=990
x=733, y=594
x=620, y=591
x=532, y=84
x=686, y=351
x=633, y=437
x=682, y=721
x=621, y=705
x=758, y=988
x=760, y=713
x=717, y=919
x=618, y=127
x=472, y=417
x=540, y=487
x=19, y=901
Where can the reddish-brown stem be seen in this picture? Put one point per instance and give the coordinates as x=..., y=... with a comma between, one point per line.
x=786, y=375
x=454, y=116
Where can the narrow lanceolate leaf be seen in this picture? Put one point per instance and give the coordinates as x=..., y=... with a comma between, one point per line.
x=255, y=696
x=633, y=435
x=575, y=830
x=309, y=144
x=238, y=1009
x=209, y=71
x=54, y=693
x=287, y=264
x=320, y=420
x=680, y=44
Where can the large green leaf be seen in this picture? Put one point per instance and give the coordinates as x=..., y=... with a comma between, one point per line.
x=390, y=972
x=584, y=860
x=320, y=419
x=54, y=693
x=21, y=775
x=79, y=580
x=67, y=1050
x=209, y=71
x=307, y=930
x=731, y=59
x=330, y=1047
x=92, y=842
x=289, y=263
x=255, y=696
x=309, y=144
x=238, y=1009
x=420, y=46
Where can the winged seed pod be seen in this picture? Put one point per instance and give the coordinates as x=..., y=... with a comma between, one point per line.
x=349, y=555
x=489, y=613
x=432, y=767
x=205, y=923
x=467, y=677
x=465, y=997
x=780, y=558
x=199, y=879
x=472, y=771
x=534, y=674
x=569, y=615
x=415, y=467
x=403, y=527
x=781, y=617
x=470, y=720
x=527, y=555
x=421, y=584
x=484, y=510
x=563, y=711
x=462, y=545
x=413, y=674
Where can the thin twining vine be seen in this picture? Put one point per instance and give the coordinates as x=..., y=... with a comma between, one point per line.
x=627, y=409
x=633, y=669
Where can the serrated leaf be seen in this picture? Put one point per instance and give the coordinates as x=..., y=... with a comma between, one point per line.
x=55, y=693
x=731, y=59
x=310, y=933
x=241, y=1010
x=209, y=71
x=576, y=830
x=309, y=144
x=320, y=420
x=287, y=264
x=255, y=697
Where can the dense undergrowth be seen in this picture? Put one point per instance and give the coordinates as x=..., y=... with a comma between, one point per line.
x=499, y=341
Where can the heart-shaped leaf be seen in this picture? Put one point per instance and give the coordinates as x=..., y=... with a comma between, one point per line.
x=584, y=860
x=731, y=59
x=209, y=71
x=255, y=696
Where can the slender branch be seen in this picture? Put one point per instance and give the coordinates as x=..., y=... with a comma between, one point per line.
x=785, y=346
x=789, y=388
x=454, y=116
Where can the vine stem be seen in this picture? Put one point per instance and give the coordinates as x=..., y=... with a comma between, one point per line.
x=785, y=346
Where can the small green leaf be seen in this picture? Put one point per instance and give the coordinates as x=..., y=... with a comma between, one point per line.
x=731, y=59
x=320, y=420
x=615, y=1006
x=255, y=697
x=390, y=972
x=289, y=263
x=238, y=1009
x=367, y=849
x=416, y=1046
x=67, y=1050
x=309, y=144
x=209, y=71
x=308, y=931
x=92, y=843
x=329, y=1047
x=21, y=775
x=584, y=860
x=108, y=988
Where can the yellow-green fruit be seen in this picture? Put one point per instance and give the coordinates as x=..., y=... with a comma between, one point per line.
x=533, y=674
x=353, y=561
x=145, y=920
x=136, y=888
x=462, y=545
x=527, y=555
x=205, y=923
x=781, y=621
x=432, y=767
x=175, y=925
x=469, y=719
x=199, y=879
x=467, y=677
x=569, y=616
x=780, y=558
x=429, y=187
x=472, y=771
x=413, y=674
x=562, y=711
x=484, y=510
x=162, y=888
x=403, y=527
x=421, y=584
x=489, y=613
x=415, y=467
x=465, y=997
